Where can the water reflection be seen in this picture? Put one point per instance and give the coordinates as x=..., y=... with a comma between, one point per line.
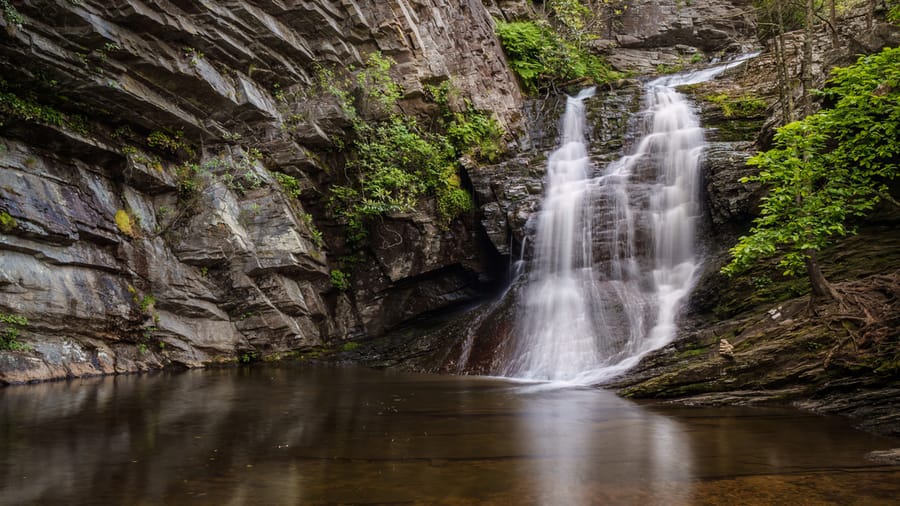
x=582, y=438
x=312, y=435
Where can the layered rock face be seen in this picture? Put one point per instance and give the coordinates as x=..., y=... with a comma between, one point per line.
x=144, y=223
x=654, y=34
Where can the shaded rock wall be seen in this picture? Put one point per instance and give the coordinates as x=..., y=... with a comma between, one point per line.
x=138, y=144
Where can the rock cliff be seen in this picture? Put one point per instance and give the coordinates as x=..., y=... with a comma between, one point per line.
x=143, y=149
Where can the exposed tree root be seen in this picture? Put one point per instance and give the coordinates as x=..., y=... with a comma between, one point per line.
x=868, y=310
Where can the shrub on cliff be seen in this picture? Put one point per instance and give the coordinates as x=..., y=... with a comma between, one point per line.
x=394, y=162
x=827, y=169
x=543, y=59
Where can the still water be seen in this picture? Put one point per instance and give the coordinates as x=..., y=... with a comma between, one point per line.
x=325, y=435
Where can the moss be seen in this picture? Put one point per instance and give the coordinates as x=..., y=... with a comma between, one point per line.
x=889, y=367
x=693, y=352
x=125, y=223
x=737, y=130
x=744, y=106
x=670, y=69
x=760, y=286
x=283, y=356
x=7, y=222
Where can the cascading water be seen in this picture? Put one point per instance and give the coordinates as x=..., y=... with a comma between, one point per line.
x=614, y=254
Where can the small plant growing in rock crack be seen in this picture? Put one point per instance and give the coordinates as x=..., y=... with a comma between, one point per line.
x=194, y=55
x=11, y=14
x=171, y=141
x=340, y=280
x=289, y=184
x=9, y=335
x=147, y=303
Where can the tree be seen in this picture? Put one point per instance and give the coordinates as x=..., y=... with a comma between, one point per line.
x=826, y=169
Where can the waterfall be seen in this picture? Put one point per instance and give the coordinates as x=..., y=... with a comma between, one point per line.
x=614, y=253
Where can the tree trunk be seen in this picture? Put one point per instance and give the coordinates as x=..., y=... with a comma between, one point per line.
x=784, y=73
x=821, y=288
x=806, y=65
x=835, y=38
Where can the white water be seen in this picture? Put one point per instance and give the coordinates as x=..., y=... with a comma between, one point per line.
x=614, y=254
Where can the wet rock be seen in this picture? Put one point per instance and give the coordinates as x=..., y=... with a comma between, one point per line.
x=885, y=456
x=731, y=202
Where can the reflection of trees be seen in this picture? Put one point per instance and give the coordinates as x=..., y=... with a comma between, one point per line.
x=300, y=435
x=156, y=438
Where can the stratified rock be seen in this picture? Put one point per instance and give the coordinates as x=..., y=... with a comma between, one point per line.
x=149, y=228
x=712, y=25
x=731, y=202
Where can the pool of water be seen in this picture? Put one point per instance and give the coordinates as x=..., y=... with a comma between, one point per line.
x=325, y=435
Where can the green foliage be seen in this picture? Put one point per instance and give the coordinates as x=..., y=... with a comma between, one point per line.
x=570, y=13
x=316, y=234
x=397, y=163
x=338, y=88
x=541, y=58
x=289, y=184
x=472, y=132
x=349, y=346
x=188, y=179
x=7, y=222
x=11, y=14
x=394, y=162
x=9, y=335
x=527, y=45
x=379, y=90
x=827, y=168
x=147, y=303
x=30, y=110
x=170, y=141
x=746, y=106
x=248, y=357
x=894, y=15
x=670, y=69
x=194, y=55
x=340, y=280
x=476, y=134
